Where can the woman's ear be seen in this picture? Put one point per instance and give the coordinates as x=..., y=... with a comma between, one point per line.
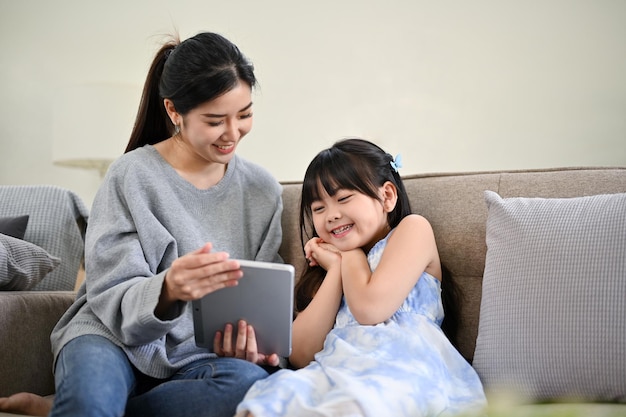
x=390, y=196
x=171, y=111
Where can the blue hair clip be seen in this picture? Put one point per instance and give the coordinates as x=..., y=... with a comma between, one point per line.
x=396, y=164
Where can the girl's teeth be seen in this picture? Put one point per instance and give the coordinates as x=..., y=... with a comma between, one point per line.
x=341, y=230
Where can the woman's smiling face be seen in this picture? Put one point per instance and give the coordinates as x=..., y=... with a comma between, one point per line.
x=213, y=129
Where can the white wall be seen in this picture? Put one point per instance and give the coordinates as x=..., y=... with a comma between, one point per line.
x=452, y=85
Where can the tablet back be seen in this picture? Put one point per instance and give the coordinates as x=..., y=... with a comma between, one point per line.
x=263, y=298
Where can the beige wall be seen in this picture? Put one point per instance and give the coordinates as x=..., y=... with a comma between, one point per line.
x=452, y=85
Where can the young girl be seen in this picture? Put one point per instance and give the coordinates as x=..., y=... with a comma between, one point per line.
x=368, y=335
x=126, y=346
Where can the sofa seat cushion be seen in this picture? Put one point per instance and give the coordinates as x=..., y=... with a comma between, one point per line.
x=25, y=354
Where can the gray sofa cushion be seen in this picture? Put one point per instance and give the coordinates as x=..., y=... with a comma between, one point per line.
x=553, y=313
x=25, y=354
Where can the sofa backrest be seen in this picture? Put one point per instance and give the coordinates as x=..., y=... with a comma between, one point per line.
x=454, y=205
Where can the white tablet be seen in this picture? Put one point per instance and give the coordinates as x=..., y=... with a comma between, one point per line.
x=263, y=298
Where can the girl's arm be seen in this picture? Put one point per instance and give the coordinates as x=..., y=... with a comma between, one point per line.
x=311, y=326
x=374, y=297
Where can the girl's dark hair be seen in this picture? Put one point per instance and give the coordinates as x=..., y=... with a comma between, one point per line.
x=356, y=164
x=189, y=73
x=352, y=164
x=450, y=298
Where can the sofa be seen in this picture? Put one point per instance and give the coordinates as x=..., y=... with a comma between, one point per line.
x=496, y=232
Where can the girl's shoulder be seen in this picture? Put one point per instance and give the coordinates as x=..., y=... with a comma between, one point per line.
x=411, y=229
x=414, y=221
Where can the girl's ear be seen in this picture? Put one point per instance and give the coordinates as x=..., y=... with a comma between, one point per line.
x=171, y=111
x=390, y=196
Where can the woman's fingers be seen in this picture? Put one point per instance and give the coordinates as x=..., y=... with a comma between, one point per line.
x=217, y=344
x=245, y=346
x=200, y=272
x=271, y=360
x=251, y=351
x=223, y=344
x=242, y=340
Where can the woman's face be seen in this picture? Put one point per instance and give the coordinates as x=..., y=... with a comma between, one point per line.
x=213, y=129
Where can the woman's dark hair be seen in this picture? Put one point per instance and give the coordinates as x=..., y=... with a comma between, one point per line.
x=189, y=73
x=352, y=164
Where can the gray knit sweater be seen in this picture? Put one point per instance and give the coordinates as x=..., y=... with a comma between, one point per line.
x=144, y=216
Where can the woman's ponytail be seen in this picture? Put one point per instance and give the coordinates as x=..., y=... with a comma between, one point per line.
x=152, y=124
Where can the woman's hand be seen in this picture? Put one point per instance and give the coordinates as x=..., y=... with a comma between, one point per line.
x=196, y=274
x=320, y=253
x=245, y=345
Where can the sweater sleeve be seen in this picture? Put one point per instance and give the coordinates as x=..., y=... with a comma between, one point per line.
x=126, y=252
x=268, y=251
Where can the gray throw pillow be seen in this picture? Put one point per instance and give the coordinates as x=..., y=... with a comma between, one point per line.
x=14, y=226
x=23, y=264
x=553, y=310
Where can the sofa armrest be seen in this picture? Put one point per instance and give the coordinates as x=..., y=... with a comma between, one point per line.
x=26, y=321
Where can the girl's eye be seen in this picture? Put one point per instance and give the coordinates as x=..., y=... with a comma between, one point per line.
x=344, y=198
x=317, y=209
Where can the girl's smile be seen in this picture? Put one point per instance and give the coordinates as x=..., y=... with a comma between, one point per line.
x=342, y=230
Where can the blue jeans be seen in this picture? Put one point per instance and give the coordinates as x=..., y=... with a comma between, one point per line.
x=94, y=377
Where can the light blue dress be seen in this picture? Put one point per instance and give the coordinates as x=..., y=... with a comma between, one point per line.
x=403, y=367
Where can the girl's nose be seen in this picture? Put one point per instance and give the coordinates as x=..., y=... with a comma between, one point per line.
x=333, y=215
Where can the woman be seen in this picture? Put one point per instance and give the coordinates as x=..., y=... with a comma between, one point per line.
x=168, y=217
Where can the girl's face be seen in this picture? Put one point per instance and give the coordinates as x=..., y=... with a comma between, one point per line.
x=351, y=219
x=213, y=129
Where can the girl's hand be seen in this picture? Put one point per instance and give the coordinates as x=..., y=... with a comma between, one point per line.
x=196, y=274
x=321, y=253
x=245, y=345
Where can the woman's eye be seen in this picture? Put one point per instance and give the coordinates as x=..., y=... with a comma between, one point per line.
x=246, y=116
x=215, y=124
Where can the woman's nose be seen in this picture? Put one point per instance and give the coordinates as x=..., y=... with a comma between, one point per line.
x=231, y=131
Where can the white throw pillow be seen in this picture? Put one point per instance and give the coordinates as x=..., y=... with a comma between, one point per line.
x=553, y=310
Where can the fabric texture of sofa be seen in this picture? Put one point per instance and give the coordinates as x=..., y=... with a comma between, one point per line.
x=465, y=218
